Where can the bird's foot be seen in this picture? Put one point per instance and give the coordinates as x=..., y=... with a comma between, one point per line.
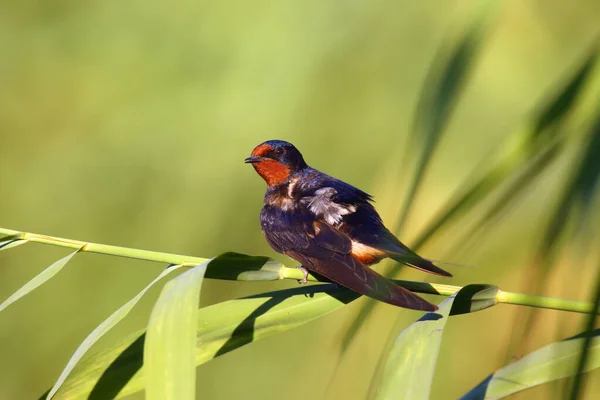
x=305, y=273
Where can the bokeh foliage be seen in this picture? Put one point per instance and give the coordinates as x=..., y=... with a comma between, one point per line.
x=127, y=123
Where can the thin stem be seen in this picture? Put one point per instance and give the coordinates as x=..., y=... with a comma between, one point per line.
x=294, y=273
x=544, y=302
x=106, y=249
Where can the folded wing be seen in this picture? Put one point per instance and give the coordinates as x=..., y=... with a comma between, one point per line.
x=323, y=249
x=348, y=209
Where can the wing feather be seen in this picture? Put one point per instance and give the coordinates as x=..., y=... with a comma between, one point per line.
x=323, y=249
x=323, y=205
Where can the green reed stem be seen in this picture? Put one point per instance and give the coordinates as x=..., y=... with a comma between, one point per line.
x=106, y=249
x=293, y=273
x=544, y=302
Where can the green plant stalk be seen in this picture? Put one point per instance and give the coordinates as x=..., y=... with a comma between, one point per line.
x=294, y=273
x=138, y=254
x=550, y=303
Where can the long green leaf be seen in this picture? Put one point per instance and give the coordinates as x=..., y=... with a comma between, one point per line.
x=242, y=267
x=101, y=330
x=574, y=204
x=441, y=91
x=536, y=136
x=584, y=356
x=410, y=365
x=579, y=190
x=221, y=328
x=171, y=339
x=38, y=280
x=409, y=368
x=555, y=361
x=227, y=326
x=11, y=241
x=510, y=191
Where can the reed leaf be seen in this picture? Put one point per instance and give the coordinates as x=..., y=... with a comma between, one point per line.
x=410, y=364
x=224, y=327
x=539, y=139
x=578, y=191
x=100, y=331
x=10, y=241
x=221, y=328
x=586, y=353
x=575, y=203
x=441, y=91
x=38, y=280
x=555, y=361
x=242, y=267
x=171, y=339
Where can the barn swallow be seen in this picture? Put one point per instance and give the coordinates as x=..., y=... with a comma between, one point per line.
x=330, y=227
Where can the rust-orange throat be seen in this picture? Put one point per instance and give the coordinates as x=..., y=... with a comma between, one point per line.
x=272, y=171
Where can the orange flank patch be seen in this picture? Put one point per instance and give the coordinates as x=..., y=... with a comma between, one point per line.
x=366, y=254
x=271, y=171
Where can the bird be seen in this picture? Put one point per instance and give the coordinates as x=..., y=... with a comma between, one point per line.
x=330, y=227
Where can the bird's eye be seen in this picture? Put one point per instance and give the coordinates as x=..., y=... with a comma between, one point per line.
x=279, y=151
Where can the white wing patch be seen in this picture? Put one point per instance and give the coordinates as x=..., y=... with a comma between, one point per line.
x=322, y=206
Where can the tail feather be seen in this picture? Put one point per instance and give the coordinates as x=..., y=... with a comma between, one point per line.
x=349, y=272
x=417, y=262
x=398, y=251
x=378, y=287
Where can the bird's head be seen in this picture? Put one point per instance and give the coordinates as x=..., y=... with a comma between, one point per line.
x=275, y=160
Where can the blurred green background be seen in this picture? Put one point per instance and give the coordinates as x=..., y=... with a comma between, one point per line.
x=127, y=123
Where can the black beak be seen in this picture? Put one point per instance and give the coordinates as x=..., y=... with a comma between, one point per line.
x=253, y=159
